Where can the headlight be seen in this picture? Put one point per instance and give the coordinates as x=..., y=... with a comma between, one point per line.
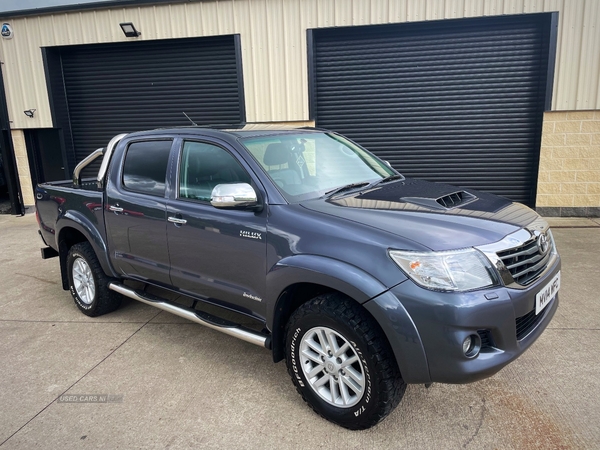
x=553, y=250
x=457, y=270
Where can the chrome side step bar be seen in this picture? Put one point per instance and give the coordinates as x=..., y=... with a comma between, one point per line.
x=237, y=331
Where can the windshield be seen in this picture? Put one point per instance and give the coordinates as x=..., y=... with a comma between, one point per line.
x=308, y=165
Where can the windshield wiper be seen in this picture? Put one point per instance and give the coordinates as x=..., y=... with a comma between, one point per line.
x=360, y=184
x=394, y=177
x=346, y=187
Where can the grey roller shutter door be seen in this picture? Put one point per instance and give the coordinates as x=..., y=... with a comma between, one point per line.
x=456, y=101
x=126, y=87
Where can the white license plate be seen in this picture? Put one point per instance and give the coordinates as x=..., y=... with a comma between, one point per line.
x=546, y=295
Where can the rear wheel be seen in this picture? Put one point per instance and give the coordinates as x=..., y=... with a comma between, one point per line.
x=88, y=283
x=341, y=363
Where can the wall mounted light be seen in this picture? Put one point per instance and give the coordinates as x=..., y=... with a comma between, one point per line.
x=29, y=113
x=129, y=29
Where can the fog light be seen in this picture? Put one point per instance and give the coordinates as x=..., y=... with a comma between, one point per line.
x=467, y=345
x=471, y=346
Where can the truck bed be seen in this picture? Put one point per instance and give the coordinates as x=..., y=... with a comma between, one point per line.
x=87, y=184
x=56, y=199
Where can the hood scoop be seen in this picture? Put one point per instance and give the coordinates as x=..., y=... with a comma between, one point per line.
x=445, y=202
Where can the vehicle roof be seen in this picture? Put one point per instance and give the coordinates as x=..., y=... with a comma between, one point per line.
x=248, y=130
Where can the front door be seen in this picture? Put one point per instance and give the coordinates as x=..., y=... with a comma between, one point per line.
x=135, y=212
x=217, y=254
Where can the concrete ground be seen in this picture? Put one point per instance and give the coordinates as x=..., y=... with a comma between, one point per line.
x=186, y=386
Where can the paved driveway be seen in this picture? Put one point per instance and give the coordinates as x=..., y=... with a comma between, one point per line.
x=186, y=386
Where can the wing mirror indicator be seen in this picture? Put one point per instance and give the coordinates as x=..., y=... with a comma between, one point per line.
x=234, y=195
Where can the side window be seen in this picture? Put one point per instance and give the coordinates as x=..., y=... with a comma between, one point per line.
x=203, y=166
x=145, y=167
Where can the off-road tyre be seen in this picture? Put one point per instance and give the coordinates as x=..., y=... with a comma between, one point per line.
x=384, y=387
x=104, y=300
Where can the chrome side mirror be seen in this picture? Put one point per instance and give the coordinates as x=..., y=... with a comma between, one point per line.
x=233, y=195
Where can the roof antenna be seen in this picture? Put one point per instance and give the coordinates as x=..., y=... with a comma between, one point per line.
x=188, y=118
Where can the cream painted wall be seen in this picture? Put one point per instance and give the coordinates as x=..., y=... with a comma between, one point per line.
x=23, y=167
x=273, y=36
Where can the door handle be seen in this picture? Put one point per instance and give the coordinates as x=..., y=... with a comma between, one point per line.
x=115, y=208
x=177, y=221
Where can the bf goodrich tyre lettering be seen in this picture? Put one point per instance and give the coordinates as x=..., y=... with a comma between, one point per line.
x=88, y=283
x=356, y=384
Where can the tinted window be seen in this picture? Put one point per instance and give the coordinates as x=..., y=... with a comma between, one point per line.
x=145, y=167
x=203, y=166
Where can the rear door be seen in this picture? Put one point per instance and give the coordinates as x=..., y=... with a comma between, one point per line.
x=135, y=211
x=216, y=254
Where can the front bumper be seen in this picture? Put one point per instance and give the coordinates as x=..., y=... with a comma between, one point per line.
x=443, y=320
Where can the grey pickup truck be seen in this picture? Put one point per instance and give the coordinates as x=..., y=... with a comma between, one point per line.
x=304, y=243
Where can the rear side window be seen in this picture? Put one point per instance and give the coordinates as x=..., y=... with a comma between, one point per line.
x=145, y=167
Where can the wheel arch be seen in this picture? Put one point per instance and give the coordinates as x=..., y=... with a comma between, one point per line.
x=403, y=336
x=297, y=279
x=73, y=228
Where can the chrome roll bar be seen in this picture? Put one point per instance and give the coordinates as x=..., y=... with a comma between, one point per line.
x=86, y=161
x=99, y=152
x=109, y=150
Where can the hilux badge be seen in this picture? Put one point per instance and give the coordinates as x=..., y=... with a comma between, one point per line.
x=251, y=234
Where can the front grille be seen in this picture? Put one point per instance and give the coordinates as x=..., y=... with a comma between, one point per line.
x=526, y=262
x=486, y=339
x=527, y=323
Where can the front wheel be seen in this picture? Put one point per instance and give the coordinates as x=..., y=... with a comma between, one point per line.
x=88, y=283
x=341, y=363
